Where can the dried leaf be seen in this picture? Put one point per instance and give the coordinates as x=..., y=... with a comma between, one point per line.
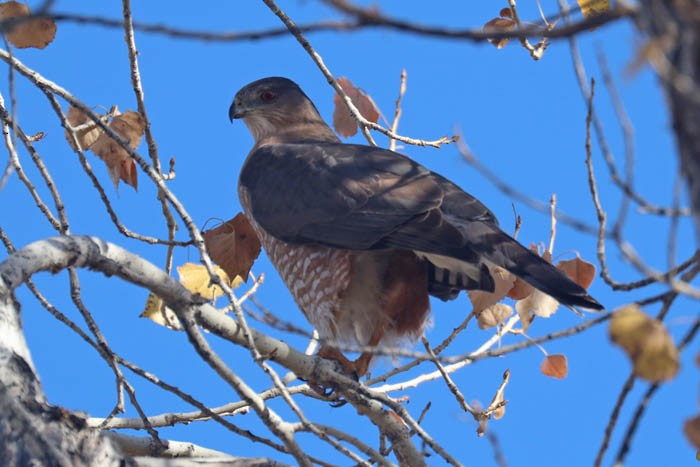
x=520, y=289
x=234, y=246
x=646, y=342
x=593, y=7
x=499, y=25
x=87, y=136
x=157, y=312
x=505, y=13
x=195, y=278
x=130, y=126
x=343, y=121
x=503, y=283
x=494, y=315
x=35, y=32
x=580, y=271
x=554, y=366
x=538, y=303
x=691, y=428
x=499, y=397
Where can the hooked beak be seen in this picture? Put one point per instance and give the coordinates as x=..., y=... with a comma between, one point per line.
x=234, y=112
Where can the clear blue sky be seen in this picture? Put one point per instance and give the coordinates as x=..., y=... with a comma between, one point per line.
x=523, y=119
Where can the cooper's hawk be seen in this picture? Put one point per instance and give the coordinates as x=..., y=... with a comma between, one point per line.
x=362, y=235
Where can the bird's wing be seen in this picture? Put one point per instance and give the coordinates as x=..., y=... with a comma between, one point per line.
x=350, y=196
x=359, y=197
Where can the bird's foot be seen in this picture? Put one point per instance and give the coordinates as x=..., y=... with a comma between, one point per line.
x=352, y=369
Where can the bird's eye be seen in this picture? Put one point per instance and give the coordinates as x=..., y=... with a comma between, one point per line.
x=267, y=96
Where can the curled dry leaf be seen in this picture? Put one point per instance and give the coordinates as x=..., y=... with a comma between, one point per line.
x=503, y=281
x=646, y=342
x=504, y=23
x=554, y=366
x=35, y=32
x=157, y=312
x=494, y=315
x=234, y=246
x=130, y=126
x=580, y=271
x=87, y=136
x=343, y=121
x=593, y=7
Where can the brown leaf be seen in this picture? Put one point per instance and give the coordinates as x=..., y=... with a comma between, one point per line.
x=503, y=283
x=35, y=32
x=646, y=342
x=691, y=428
x=494, y=315
x=234, y=246
x=554, y=366
x=499, y=25
x=520, y=289
x=87, y=136
x=593, y=7
x=580, y=271
x=130, y=126
x=343, y=121
x=505, y=13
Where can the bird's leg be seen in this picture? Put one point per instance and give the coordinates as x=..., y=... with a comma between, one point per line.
x=362, y=363
x=334, y=354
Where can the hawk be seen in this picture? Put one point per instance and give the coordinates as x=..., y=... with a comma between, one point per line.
x=361, y=235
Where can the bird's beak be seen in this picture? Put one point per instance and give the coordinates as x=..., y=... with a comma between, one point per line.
x=234, y=112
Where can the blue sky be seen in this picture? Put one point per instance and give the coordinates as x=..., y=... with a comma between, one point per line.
x=523, y=119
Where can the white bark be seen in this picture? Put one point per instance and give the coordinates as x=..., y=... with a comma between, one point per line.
x=57, y=253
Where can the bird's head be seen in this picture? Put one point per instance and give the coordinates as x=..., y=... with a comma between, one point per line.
x=272, y=107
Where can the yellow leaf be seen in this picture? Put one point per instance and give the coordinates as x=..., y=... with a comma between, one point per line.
x=236, y=282
x=195, y=278
x=593, y=7
x=646, y=342
x=157, y=312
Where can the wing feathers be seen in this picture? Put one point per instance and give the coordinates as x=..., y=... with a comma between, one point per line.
x=359, y=198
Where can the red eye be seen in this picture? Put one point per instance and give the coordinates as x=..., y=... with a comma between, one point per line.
x=267, y=96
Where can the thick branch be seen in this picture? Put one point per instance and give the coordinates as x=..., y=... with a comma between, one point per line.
x=57, y=253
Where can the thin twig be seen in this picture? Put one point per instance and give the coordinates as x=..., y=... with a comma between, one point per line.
x=364, y=124
x=397, y=110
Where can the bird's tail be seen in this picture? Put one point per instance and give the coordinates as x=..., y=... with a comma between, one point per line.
x=502, y=250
